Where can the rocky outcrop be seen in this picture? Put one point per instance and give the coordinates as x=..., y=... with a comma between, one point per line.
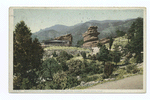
x=104, y=41
x=91, y=37
x=65, y=37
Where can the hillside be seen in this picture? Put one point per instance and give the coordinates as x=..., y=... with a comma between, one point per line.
x=106, y=28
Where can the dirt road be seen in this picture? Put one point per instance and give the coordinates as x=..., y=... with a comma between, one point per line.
x=133, y=82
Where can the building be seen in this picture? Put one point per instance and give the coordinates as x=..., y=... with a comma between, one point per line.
x=56, y=43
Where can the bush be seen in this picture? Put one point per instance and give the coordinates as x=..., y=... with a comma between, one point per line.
x=54, y=54
x=93, y=57
x=89, y=56
x=75, y=67
x=93, y=68
x=49, y=67
x=72, y=82
x=63, y=56
x=83, y=55
x=60, y=79
x=132, y=68
x=108, y=69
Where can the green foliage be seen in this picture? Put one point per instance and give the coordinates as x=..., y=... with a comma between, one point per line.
x=49, y=67
x=120, y=33
x=25, y=84
x=131, y=68
x=83, y=55
x=64, y=65
x=103, y=54
x=110, y=42
x=116, y=55
x=72, y=82
x=99, y=45
x=60, y=79
x=79, y=43
x=27, y=55
x=75, y=67
x=136, y=43
x=63, y=56
x=108, y=69
x=54, y=54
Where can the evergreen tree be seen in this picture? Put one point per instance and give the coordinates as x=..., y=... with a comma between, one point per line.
x=103, y=54
x=116, y=56
x=110, y=42
x=27, y=55
x=136, y=43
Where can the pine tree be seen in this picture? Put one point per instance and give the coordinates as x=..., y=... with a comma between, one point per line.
x=27, y=55
x=103, y=54
x=116, y=56
x=110, y=42
x=136, y=43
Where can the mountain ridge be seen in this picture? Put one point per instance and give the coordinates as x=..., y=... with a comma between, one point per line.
x=105, y=27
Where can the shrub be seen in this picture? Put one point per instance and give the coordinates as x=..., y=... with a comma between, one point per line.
x=49, y=67
x=83, y=55
x=89, y=56
x=132, y=68
x=93, y=68
x=75, y=66
x=72, y=82
x=93, y=57
x=63, y=56
x=108, y=69
x=60, y=79
x=54, y=54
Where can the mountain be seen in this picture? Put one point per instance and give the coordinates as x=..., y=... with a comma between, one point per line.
x=105, y=27
x=45, y=34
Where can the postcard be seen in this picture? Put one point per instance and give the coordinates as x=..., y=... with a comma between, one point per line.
x=77, y=49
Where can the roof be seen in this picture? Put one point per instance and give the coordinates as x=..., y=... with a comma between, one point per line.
x=56, y=41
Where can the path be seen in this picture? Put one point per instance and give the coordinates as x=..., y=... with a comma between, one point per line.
x=133, y=82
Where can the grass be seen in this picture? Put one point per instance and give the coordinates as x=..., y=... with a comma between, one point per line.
x=118, y=41
x=66, y=48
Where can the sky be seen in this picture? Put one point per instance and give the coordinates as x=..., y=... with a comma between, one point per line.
x=38, y=19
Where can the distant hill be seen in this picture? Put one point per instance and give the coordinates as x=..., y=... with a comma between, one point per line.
x=106, y=28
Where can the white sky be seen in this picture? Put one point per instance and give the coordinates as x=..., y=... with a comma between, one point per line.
x=38, y=19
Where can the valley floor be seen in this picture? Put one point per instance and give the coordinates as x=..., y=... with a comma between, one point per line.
x=133, y=82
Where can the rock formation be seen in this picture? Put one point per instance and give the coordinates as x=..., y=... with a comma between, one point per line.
x=91, y=37
x=65, y=37
x=104, y=41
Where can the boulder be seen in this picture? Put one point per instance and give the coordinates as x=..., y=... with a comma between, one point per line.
x=91, y=37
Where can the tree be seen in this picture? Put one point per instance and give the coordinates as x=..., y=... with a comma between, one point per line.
x=108, y=69
x=116, y=56
x=99, y=45
x=49, y=67
x=103, y=54
x=27, y=56
x=110, y=42
x=80, y=43
x=120, y=33
x=83, y=55
x=136, y=43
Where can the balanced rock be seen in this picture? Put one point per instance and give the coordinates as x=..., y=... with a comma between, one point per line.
x=65, y=37
x=91, y=37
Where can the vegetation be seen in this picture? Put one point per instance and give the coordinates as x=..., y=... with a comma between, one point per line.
x=116, y=55
x=103, y=54
x=110, y=42
x=80, y=43
x=136, y=43
x=27, y=57
x=65, y=70
x=83, y=55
